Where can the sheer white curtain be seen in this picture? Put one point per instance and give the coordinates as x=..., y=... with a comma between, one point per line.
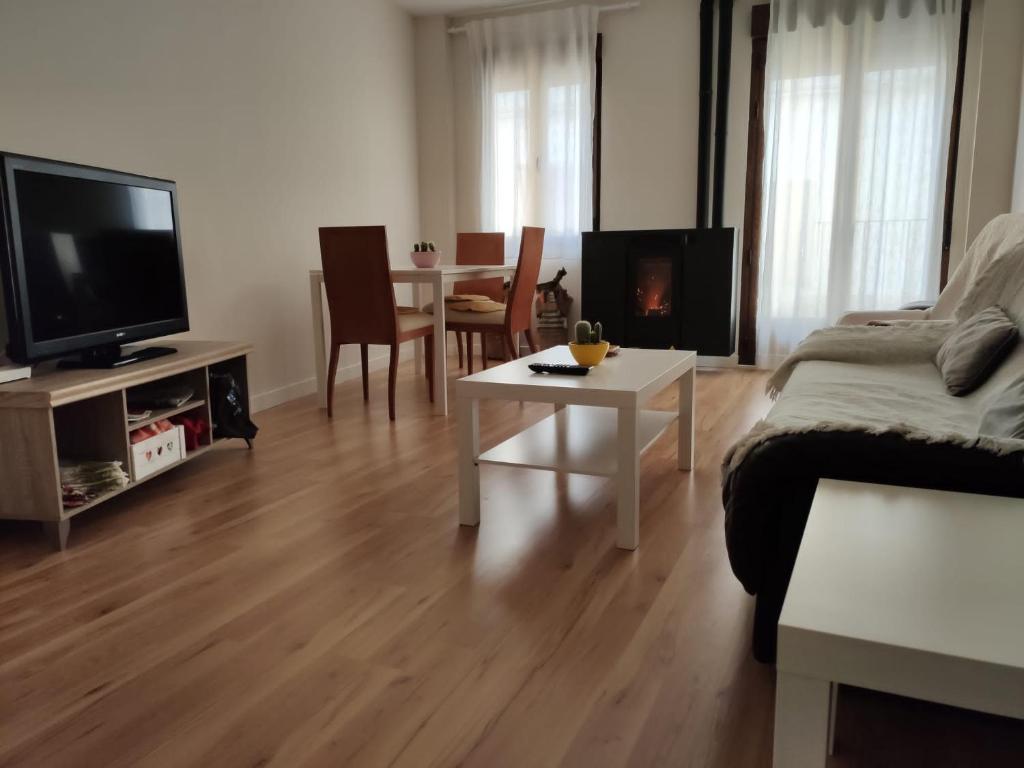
x=858, y=102
x=534, y=75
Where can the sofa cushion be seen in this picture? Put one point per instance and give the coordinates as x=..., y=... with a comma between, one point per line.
x=1004, y=416
x=975, y=349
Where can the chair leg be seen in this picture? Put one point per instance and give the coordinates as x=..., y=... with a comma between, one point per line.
x=531, y=340
x=364, y=353
x=332, y=371
x=392, y=380
x=458, y=343
x=510, y=341
x=483, y=351
x=428, y=343
x=469, y=352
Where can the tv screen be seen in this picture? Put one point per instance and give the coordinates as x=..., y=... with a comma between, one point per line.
x=95, y=258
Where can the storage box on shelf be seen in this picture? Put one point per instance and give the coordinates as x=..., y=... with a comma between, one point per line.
x=68, y=416
x=158, y=452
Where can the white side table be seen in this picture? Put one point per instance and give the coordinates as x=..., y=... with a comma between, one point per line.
x=909, y=591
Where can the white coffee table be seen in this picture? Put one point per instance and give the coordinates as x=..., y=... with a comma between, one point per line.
x=598, y=428
x=909, y=591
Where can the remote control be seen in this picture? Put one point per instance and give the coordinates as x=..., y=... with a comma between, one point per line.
x=563, y=368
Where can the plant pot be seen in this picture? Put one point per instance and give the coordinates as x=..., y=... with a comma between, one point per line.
x=589, y=354
x=425, y=259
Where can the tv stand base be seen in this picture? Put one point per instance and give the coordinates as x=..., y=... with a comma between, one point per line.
x=114, y=357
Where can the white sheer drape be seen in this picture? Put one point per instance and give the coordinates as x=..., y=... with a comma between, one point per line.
x=534, y=76
x=858, y=103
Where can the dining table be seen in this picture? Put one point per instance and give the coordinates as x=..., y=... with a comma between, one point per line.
x=438, y=278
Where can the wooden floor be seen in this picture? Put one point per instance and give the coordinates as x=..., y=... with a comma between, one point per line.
x=313, y=602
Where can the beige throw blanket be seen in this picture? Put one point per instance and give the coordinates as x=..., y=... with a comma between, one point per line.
x=892, y=385
x=907, y=399
x=901, y=342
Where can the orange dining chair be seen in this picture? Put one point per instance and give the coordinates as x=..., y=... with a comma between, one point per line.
x=361, y=300
x=475, y=248
x=517, y=315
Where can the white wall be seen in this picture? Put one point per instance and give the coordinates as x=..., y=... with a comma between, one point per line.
x=435, y=117
x=989, y=120
x=274, y=119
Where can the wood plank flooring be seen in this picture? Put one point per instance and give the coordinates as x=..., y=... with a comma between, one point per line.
x=314, y=603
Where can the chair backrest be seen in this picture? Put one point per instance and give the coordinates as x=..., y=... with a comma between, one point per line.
x=524, y=285
x=481, y=248
x=357, y=278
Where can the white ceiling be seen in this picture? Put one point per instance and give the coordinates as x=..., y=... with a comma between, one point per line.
x=427, y=7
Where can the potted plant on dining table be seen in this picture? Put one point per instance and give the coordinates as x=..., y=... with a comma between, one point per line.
x=425, y=255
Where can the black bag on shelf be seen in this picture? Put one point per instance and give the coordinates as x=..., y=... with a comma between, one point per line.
x=230, y=417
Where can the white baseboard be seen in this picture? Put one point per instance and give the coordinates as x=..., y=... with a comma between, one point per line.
x=270, y=398
x=280, y=395
x=716, y=361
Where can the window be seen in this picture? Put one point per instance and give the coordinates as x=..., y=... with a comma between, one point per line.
x=535, y=77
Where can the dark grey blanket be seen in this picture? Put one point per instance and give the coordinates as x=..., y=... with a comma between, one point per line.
x=767, y=497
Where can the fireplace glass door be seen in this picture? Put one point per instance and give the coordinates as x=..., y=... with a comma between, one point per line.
x=652, y=308
x=653, y=291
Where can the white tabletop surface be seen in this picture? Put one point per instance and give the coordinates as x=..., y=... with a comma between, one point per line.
x=912, y=568
x=445, y=270
x=626, y=379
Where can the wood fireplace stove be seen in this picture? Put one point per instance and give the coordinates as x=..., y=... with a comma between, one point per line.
x=657, y=289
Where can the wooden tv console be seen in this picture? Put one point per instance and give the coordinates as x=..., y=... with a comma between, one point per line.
x=82, y=414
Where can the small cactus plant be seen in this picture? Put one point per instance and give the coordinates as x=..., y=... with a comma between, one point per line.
x=416, y=247
x=424, y=246
x=585, y=334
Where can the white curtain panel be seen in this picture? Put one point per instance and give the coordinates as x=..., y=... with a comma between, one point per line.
x=534, y=77
x=858, y=104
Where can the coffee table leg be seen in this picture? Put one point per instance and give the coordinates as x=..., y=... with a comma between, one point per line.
x=468, y=424
x=628, y=479
x=801, y=721
x=684, y=451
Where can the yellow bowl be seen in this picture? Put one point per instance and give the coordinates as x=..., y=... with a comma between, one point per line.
x=589, y=354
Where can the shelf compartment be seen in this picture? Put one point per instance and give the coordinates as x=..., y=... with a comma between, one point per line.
x=194, y=380
x=72, y=511
x=92, y=430
x=165, y=413
x=578, y=439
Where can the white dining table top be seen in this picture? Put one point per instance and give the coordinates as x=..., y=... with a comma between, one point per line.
x=442, y=270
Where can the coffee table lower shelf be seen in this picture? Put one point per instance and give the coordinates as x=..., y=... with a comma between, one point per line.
x=578, y=439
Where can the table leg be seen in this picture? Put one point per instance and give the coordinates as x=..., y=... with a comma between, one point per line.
x=833, y=707
x=684, y=451
x=440, y=351
x=316, y=301
x=417, y=343
x=801, y=721
x=468, y=428
x=628, y=479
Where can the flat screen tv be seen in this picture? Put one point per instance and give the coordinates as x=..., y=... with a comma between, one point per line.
x=91, y=259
